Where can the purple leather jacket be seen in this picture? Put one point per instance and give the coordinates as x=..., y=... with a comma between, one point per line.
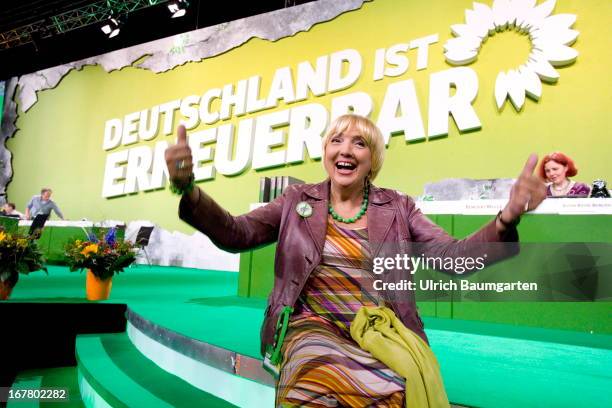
x=393, y=223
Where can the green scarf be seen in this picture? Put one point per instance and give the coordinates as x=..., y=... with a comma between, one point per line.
x=379, y=331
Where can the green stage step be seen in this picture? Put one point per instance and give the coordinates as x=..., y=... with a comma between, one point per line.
x=114, y=371
x=59, y=377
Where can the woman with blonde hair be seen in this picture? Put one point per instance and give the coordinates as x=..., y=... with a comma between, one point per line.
x=327, y=235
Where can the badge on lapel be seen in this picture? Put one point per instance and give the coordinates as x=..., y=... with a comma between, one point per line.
x=304, y=209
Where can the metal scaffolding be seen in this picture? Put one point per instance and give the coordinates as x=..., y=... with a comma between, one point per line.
x=72, y=20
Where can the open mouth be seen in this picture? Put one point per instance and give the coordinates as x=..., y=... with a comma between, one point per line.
x=346, y=166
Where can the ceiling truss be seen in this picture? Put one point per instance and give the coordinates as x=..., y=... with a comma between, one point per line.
x=71, y=20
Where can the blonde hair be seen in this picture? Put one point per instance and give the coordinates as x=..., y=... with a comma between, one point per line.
x=370, y=133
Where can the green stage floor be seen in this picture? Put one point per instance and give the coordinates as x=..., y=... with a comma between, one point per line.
x=188, y=301
x=483, y=364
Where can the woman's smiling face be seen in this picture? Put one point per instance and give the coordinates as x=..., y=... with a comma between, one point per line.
x=555, y=172
x=348, y=159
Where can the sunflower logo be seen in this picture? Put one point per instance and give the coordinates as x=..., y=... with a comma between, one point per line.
x=551, y=38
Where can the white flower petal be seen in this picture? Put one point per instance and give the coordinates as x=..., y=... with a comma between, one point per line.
x=565, y=37
x=463, y=43
x=485, y=17
x=460, y=56
x=531, y=82
x=553, y=52
x=559, y=55
x=539, y=13
x=516, y=90
x=558, y=22
x=539, y=43
x=528, y=3
x=501, y=14
x=551, y=37
x=501, y=89
x=545, y=71
x=543, y=10
x=470, y=17
x=521, y=9
x=535, y=55
x=473, y=20
x=460, y=30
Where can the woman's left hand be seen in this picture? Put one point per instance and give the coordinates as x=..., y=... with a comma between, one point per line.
x=526, y=194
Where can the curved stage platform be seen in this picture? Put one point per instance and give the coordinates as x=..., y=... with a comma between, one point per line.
x=180, y=337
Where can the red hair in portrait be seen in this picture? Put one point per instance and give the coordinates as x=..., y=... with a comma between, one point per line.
x=561, y=159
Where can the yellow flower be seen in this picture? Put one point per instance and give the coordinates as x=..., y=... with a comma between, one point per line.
x=22, y=242
x=90, y=248
x=2, y=235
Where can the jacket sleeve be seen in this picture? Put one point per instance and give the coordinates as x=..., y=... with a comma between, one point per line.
x=438, y=243
x=232, y=234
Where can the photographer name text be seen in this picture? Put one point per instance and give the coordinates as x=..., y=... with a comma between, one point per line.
x=461, y=284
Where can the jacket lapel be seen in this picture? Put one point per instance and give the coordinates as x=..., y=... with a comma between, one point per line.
x=317, y=197
x=380, y=217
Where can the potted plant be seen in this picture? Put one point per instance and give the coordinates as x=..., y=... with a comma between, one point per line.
x=18, y=254
x=102, y=256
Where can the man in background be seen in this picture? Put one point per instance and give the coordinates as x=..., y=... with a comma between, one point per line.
x=42, y=204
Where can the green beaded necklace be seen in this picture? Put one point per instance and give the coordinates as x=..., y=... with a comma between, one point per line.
x=362, y=209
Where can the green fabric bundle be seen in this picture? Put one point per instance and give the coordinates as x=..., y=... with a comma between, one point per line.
x=379, y=331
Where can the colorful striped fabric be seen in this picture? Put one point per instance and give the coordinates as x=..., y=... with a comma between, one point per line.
x=323, y=366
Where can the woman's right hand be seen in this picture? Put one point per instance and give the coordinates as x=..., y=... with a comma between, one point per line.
x=179, y=160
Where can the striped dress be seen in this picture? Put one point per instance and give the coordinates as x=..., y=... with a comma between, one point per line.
x=322, y=365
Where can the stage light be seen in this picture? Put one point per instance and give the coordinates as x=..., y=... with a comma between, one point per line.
x=178, y=8
x=112, y=27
